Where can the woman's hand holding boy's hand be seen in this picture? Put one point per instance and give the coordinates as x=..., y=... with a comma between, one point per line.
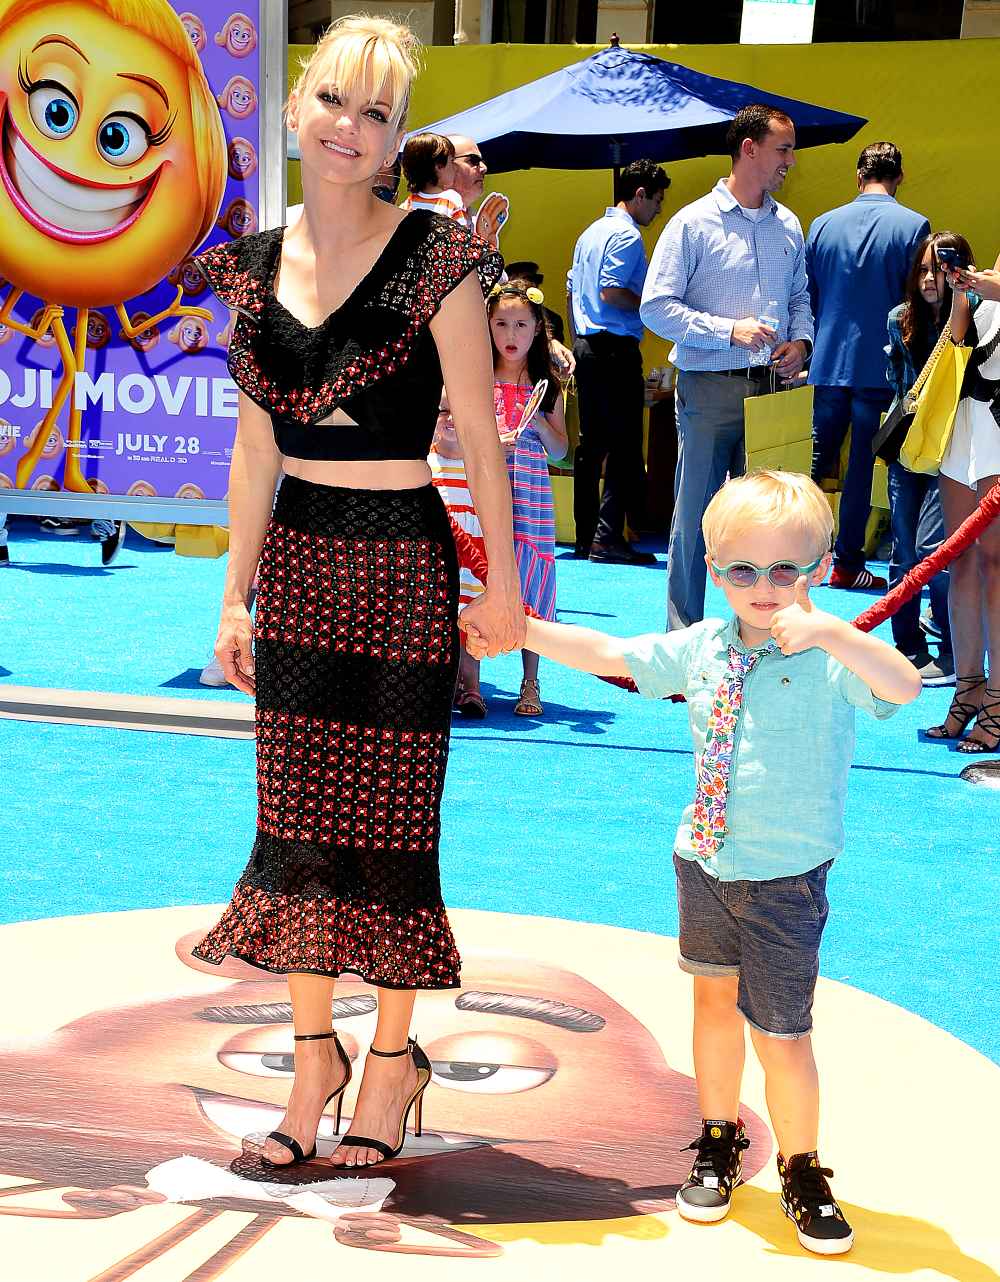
x=800, y=626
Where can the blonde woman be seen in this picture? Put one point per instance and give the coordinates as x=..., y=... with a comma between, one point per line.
x=346, y=322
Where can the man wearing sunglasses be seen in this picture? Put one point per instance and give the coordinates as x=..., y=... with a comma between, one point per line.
x=470, y=173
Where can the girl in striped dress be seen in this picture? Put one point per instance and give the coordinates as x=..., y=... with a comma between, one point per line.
x=521, y=361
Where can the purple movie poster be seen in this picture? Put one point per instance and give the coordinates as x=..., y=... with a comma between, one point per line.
x=128, y=144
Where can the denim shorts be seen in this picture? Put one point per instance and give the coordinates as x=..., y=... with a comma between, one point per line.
x=767, y=932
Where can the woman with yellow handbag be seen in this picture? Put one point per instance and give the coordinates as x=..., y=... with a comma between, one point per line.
x=970, y=467
x=915, y=328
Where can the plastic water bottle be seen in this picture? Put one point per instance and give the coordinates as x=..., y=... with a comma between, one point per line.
x=771, y=317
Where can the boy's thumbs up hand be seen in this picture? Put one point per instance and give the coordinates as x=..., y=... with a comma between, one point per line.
x=799, y=626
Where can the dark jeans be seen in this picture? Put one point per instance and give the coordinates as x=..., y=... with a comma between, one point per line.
x=917, y=531
x=610, y=390
x=835, y=409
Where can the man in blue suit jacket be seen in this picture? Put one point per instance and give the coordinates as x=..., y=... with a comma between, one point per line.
x=858, y=257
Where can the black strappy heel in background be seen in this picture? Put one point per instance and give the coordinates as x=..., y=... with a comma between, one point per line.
x=289, y=1141
x=962, y=711
x=988, y=722
x=416, y=1102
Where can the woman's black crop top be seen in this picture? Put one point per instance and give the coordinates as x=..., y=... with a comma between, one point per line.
x=373, y=358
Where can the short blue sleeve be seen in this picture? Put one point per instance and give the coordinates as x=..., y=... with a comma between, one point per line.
x=858, y=693
x=624, y=259
x=658, y=662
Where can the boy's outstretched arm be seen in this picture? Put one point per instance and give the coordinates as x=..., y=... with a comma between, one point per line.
x=582, y=648
x=887, y=673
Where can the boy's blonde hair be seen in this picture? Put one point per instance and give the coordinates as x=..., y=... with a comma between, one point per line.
x=772, y=498
x=357, y=47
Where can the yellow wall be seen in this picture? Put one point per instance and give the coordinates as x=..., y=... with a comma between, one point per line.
x=906, y=89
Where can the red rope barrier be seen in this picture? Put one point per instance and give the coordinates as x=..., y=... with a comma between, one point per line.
x=911, y=583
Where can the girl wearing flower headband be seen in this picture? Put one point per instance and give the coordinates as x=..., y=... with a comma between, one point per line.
x=521, y=362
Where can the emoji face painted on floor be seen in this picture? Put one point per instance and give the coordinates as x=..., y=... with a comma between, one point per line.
x=550, y=1100
x=242, y=158
x=239, y=98
x=238, y=37
x=112, y=164
x=239, y=218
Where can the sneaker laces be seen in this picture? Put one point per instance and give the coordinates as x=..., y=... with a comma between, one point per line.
x=809, y=1184
x=715, y=1155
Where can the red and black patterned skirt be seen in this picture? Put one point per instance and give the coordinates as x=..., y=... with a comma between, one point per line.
x=356, y=655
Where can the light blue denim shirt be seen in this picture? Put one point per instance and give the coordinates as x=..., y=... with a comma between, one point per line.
x=794, y=743
x=609, y=254
x=713, y=265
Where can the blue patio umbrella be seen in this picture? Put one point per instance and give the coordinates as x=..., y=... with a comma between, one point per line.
x=620, y=105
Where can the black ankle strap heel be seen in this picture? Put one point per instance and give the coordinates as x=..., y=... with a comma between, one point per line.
x=415, y=1102
x=289, y=1141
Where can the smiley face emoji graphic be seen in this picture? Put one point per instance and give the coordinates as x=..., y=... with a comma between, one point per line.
x=112, y=163
x=238, y=37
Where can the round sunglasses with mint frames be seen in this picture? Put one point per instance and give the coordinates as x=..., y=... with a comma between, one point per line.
x=782, y=574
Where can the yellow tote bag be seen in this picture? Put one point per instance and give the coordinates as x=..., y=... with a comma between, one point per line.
x=929, y=434
x=779, y=430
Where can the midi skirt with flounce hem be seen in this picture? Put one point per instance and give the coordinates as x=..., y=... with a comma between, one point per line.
x=356, y=654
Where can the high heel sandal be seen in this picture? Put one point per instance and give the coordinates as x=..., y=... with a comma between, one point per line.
x=960, y=710
x=416, y=1102
x=289, y=1141
x=986, y=721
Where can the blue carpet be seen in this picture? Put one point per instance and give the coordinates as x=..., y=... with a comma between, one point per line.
x=569, y=816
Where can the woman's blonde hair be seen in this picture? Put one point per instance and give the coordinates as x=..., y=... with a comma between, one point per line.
x=358, y=47
x=158, y=21
x=772, y=498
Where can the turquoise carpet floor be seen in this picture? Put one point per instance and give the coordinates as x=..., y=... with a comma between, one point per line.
x=569, y=816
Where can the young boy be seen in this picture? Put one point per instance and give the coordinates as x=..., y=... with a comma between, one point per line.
x=771, y=695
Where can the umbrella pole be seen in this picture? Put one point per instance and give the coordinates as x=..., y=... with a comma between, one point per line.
x=616, y=174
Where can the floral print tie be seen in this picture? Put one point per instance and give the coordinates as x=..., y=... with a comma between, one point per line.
x=708, y=823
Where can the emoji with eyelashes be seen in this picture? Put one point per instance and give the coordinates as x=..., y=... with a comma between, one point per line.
x=550, y=1103
x=238, y=36
x=239, y=98
x=112, y=169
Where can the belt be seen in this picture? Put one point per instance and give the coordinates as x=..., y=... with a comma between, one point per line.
x=755, y=373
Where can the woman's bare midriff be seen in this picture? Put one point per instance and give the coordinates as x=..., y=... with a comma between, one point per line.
x=361, y=474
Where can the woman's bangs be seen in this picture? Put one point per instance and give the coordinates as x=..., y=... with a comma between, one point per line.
x=363, y=65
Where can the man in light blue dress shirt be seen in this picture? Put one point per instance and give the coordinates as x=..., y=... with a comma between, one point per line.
x=720, y=265
x=858, y=257
x=605, y=286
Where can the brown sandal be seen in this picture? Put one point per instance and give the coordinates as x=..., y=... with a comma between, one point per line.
x=529, y=703
x=471, y=704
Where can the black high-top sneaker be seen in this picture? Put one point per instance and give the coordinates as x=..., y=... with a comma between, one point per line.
x=708, y=1190
x=808, y=1201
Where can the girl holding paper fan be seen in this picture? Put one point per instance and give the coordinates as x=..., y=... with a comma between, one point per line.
x=529, y=406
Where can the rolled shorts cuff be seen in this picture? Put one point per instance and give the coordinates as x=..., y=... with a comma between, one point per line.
x=769, y=1032
x=710, y=970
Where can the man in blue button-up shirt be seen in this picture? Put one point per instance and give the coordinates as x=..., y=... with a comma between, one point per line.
x=605, y=286
x=858, y=258
x=719, y=264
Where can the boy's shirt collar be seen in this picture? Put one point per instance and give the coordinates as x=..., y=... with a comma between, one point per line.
x=729, y=634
